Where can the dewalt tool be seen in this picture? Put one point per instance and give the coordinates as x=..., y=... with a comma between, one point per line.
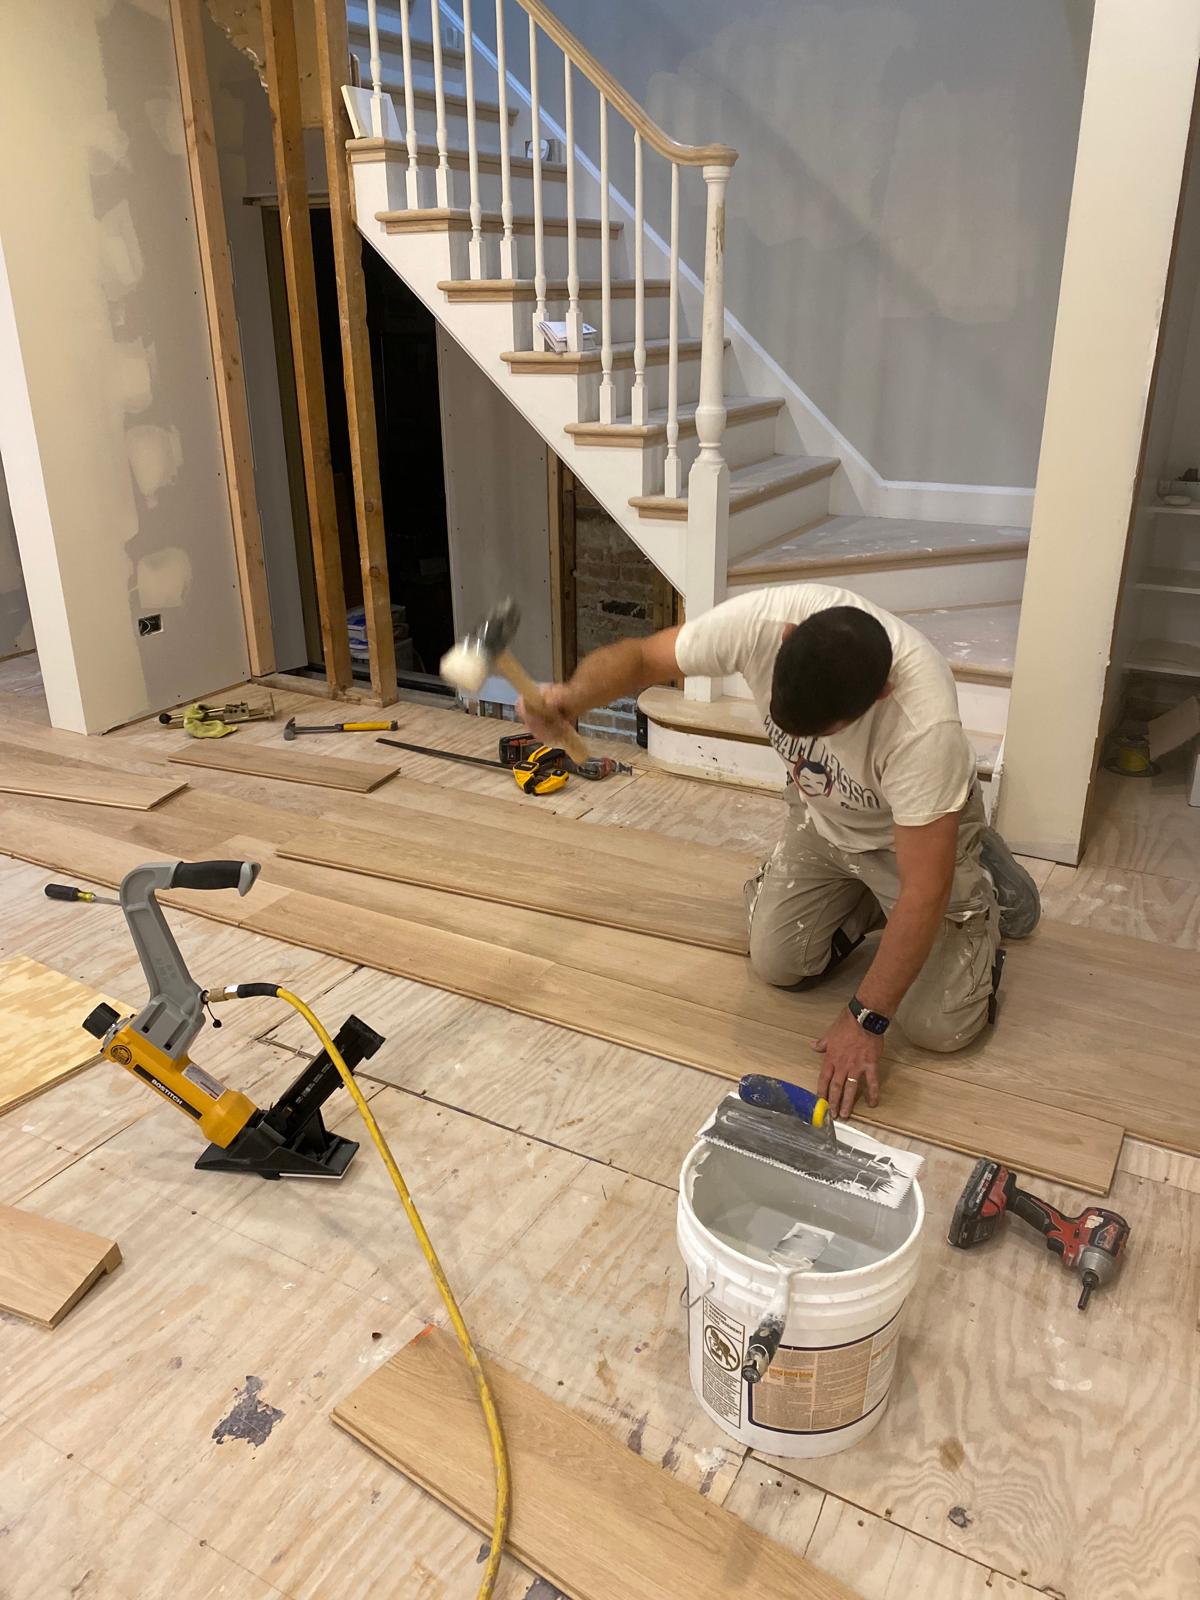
x=203, y=721
x=1091, y=1243
x=539, y=769
x=292, y=730
x=291, y=1139
x=516, y=747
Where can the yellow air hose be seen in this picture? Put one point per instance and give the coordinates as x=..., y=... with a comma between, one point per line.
x=486, y=1398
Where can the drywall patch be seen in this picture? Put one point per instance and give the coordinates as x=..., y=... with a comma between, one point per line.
x=108, y=144
x=121, y=261
x=132, y=376
x=162, y=579
x=166, y=118
x=155, y=456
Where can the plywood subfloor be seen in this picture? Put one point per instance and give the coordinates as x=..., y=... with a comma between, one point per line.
x=589, y=1516
x=549, y=1187
x=47, y=1266
x=42, y=1037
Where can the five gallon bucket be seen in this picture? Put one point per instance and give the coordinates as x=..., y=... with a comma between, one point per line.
x=828, y=1383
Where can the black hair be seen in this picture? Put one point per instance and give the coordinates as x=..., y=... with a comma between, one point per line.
x=831, y=668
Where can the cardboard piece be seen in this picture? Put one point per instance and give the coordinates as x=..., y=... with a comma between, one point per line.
x=1175, y=728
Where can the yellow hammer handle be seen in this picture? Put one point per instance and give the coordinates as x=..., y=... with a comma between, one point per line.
x=368, y=727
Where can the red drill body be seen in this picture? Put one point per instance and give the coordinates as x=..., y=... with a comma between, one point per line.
x=1090, y=1243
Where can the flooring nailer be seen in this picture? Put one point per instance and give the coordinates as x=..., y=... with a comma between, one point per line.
x=288, y=1141
x=291, y=1139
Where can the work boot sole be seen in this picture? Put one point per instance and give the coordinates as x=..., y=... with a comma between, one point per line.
x=1016, y=893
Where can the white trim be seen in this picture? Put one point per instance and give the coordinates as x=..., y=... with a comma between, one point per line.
x=856, y=487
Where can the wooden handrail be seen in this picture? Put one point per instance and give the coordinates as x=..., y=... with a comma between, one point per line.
x=687, y=155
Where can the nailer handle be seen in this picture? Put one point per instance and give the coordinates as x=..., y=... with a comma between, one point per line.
x=239, y=875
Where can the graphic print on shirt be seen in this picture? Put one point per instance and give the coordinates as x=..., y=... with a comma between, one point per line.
x=817, y=772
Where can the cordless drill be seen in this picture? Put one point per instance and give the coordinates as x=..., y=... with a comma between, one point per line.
x=1090, y=1243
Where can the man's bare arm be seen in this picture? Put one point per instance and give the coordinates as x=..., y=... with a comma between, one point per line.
x=607, y=674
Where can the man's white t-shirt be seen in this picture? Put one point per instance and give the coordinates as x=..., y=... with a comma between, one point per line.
x=906, y=762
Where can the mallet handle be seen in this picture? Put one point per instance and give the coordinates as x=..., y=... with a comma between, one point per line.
x=509, y=667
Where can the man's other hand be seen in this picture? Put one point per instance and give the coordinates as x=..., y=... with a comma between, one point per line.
x=549, y=729
x=852, y=1059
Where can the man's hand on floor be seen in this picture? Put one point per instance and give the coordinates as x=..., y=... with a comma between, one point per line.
x=852, y=1059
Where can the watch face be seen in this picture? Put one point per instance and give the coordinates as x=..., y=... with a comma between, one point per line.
x=873, y=1022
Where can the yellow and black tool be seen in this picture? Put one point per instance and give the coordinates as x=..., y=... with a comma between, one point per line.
x=538, y=768
x=288, y=1141
x=293, y=730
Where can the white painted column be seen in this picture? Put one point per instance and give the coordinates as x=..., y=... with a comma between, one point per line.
x=707, y=555
x=1133, y=139
x=508, y=247
x=539, y=230
x=608, y=393
x=442, y=181
x=574, y=314
x=638, y=405
x=412, y=194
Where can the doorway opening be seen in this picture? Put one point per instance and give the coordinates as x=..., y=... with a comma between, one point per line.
x=404, y=366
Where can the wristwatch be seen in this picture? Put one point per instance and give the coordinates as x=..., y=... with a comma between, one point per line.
x=869, y=1021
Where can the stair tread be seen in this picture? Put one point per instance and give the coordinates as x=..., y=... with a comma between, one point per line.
x=736, y=406
x=973, y=639
x=847, y=542
x=459, y=217
x=569, y=361
x=748, y=485
x=732, y=717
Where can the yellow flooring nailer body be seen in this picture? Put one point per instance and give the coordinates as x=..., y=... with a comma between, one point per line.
x=289, y=1139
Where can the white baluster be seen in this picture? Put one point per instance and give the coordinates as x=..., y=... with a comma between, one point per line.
x=673, y=475
x=707, y=552
x=439, y=95
x=574, y=315
x=539, y=237
x=411, y=188
x=377, y=122
x=475, y=249
x=608, y=393
x=508, y=253
x=638, y=407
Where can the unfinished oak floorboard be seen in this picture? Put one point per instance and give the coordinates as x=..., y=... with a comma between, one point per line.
x=260, y=761
x=46, y=1266
x=565, y=882
x=962, y=1115
x=42, y=1037
x=23, y=772
x=592, y=1517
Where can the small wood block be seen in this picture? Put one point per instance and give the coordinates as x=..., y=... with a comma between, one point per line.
x=46, y=1266
x=590, y=1516
x=42, y=1037
x=260, y=761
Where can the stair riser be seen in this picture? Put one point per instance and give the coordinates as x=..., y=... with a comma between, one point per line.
x=744, y=443
x=623, y=313
x=656, y=390
x=984, y=706
x=758, y=524
x=555, y=249
x=487, y=128
x=908, y=588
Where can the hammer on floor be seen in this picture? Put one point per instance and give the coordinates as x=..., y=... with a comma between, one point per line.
x=485, y=653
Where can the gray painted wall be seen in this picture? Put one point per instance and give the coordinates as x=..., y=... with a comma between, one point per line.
x=896, y=221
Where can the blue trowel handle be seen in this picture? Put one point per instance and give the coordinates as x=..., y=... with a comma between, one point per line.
x=776, y=1095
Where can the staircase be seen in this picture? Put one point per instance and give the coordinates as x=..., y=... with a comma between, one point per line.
x=471, y=179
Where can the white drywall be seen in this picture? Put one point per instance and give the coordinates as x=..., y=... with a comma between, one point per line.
x=1133, y=140
x=16, y=629
x=108, y=422
x=496, y=507
x=895, y=224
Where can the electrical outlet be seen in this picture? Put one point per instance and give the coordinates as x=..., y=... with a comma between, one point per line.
x=150, y=623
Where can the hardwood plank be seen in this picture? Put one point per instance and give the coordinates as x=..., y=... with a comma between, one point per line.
x=47, y=1266
x=291, y=181
x=187, y=26
x=972, y=1117
x=42, y=1037
x=59, y=778
x=333, y=49
x=563, y=880
x=588, y=1515
x=325, y=772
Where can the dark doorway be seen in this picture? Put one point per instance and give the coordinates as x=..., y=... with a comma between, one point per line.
x=412, y=481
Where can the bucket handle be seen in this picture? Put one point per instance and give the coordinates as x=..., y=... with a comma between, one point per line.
x=687, y=1304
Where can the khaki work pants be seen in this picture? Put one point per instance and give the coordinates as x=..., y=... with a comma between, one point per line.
x=809, y=890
